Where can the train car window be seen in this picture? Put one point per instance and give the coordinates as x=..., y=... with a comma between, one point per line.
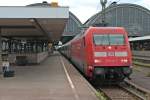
x=109, y=39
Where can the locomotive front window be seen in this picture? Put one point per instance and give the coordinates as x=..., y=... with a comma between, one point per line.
x=101, y=39
x=109, y=39
x=117, y=39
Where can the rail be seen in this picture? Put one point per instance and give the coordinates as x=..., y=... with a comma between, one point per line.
x=140, y=92
x=124, y=91
x=116, y=93
x=141, y=60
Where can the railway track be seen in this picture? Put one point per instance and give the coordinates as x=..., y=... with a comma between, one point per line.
x=116, y=93
x=141, y=60
x=124, y=91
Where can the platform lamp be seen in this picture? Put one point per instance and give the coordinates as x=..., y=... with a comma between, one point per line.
x=103, y=3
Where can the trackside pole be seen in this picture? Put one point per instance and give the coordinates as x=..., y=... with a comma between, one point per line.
x=0, y=52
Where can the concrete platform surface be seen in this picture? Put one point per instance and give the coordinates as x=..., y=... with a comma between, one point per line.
x=54, y=79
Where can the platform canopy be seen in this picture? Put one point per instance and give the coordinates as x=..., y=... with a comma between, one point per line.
x=33, y=21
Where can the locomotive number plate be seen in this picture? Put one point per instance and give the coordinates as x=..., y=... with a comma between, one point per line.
x=111, y=54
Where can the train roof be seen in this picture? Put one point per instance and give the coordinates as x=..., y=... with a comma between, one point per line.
x=106, y=28
x=139, y=38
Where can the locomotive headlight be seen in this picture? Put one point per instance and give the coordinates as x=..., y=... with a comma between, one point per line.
x=97, y=61
x=124, y=60
x=90, y=68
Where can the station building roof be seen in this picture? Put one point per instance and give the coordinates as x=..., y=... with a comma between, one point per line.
x=73, y=26
x=135, y=18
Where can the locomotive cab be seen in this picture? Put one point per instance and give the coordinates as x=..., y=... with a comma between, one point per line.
x=101, y=53
x=111, y=54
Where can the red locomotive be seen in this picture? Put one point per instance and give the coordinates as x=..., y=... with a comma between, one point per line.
x=101, y=53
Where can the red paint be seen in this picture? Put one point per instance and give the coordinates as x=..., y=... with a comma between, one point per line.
x=82, y=50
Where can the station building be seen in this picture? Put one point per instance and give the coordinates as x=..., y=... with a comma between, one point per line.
x=135, y=18
x=72, y=28
x=26, y=33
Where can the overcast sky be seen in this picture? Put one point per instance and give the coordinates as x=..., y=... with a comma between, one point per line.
x=83, y=9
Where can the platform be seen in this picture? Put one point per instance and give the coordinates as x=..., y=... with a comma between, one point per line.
x=140, y=77
x=53, y=79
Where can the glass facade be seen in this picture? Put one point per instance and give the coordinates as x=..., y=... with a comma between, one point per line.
x=134, y=18
x=73, y=26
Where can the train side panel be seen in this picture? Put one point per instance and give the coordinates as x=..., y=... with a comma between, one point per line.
x=76, y=53
x=88, y=51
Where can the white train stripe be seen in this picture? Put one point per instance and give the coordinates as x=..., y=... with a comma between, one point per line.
x=70, y=81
